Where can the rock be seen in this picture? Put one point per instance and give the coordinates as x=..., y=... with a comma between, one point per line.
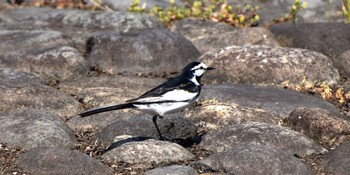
x=22, y=41
x=261, y=134
x=268, y=65
x=50, y=63
x=315, y=11
x=172, y=127
x=257, y=159
x=78, y=24
x=239, y=37
x=330, y=39
x=215, y=116
x=20, y=90
x=33, y=128
x=149, y=4
x=210, y=36
x=99, y=91
x=276, y=100
x=342, y=62
x=114, y=52
x=147, y=152
x=196, y=28
x=57, y=161
x=100, y=120
x=172, y=170
x=321, y=125
x=337, y=160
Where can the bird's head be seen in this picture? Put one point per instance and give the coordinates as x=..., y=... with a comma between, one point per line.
x=195, y=69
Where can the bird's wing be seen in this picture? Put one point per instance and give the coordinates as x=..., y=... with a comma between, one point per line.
x=176, y=89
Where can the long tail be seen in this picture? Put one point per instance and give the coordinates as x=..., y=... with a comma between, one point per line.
x=106, y=108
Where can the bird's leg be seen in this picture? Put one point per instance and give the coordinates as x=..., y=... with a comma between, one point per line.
x=154, y=119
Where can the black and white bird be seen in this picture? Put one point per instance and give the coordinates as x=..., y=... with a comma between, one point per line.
x=172, y=96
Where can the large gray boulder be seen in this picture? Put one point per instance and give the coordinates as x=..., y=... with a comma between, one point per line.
x=330, y=39
x=33, y=128
x=150, y=52
x=268, y=65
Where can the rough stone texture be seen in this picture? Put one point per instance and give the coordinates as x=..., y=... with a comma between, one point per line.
x=172, y=126
x=151, y=51
x=330, y=39
x=20, y=90
x=337, y=160
x=149, y=4
x=50, y=63
x=78, y=24
x=57, y=161
x=268, y=65
x=240, y=37
x=257, y=159
x=276, y=100
x=195, y=28
x=106, y=90
x=342, y=62
x=261, y=134
x=172, y=170
x=147, y=152
x=215, y=116
x=100, y=120
x=321, y=125
x=18, y=41
x=208, y=35
x=32, y=128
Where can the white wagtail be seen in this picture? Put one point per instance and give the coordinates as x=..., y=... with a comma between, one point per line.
x=172, y=96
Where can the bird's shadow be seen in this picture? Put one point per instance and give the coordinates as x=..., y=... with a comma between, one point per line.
x=124, y=141
x=183, y=142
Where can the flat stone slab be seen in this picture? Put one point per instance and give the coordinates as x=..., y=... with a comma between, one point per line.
x=19, y=90
x=276, y=100
x=216, y=115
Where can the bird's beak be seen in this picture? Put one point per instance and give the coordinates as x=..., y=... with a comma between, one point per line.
x=210, y=68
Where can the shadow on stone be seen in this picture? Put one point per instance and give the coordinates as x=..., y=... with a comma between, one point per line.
x=124, y=141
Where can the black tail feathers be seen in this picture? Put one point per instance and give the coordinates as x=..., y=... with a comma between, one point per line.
x=106, y=108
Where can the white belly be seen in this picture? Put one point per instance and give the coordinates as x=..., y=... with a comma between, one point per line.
x=163, y=108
